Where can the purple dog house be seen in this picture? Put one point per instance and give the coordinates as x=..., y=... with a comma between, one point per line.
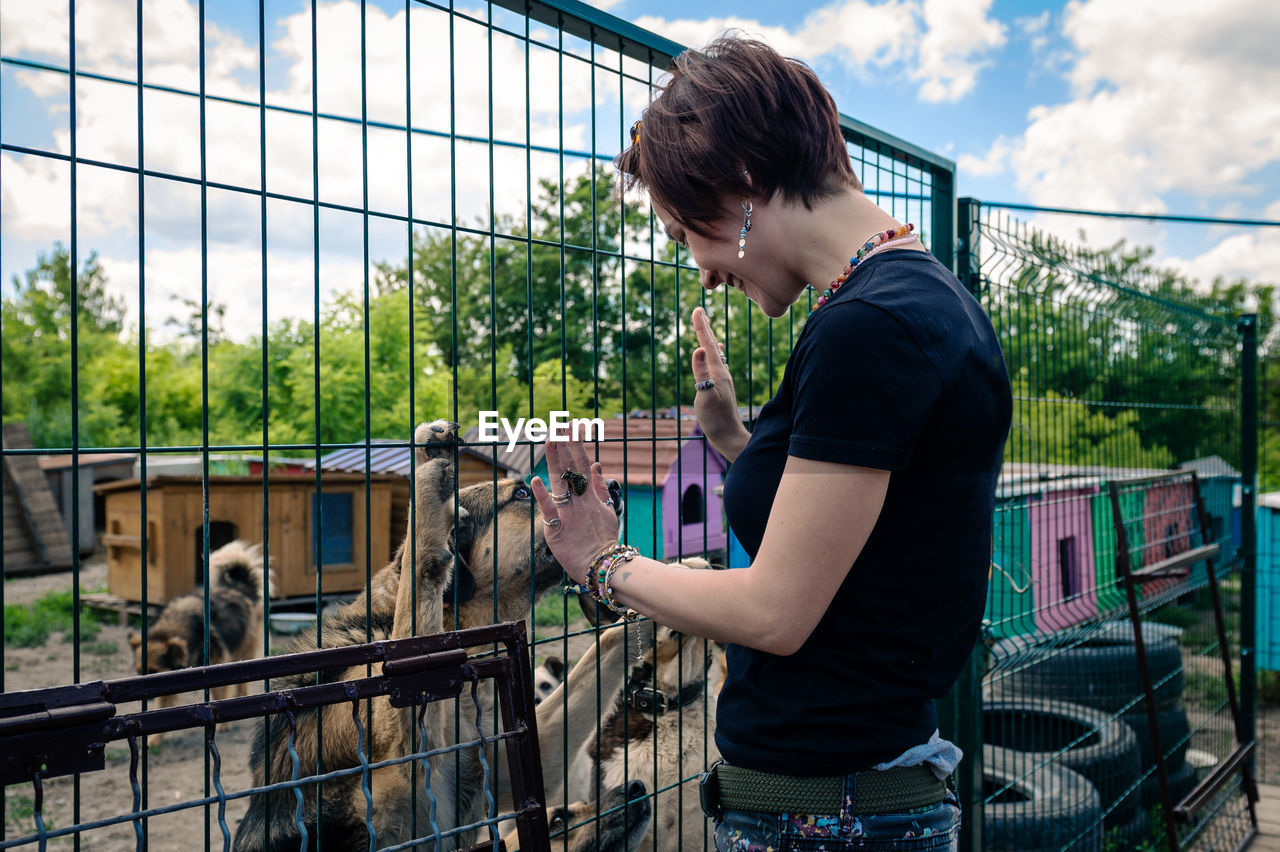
x=692, y=511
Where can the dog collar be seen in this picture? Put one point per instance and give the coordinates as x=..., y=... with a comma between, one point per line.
x=655, y=702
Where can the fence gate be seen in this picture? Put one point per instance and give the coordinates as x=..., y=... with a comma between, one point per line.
x=256, y=244
x=50, y=733
x=1183, y=540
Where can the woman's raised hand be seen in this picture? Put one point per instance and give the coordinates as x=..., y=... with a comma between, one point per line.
x=716, y=404
x=580, y=524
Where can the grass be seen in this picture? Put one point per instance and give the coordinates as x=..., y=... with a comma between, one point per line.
x=1208, y=690
x=550, y=611
x=1198, y=629
x=30, y=625
x=1269, y=686
x=20, y=807
x=1175, y=615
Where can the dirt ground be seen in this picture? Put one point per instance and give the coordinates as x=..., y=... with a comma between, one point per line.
x=175, y=771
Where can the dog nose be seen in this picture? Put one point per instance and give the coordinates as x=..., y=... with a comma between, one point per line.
x=635, y=789
x=615, y=494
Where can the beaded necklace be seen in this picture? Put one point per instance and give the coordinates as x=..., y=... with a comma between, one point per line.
x=892, y=237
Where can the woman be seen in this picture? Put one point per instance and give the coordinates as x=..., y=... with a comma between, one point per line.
x=863, y=496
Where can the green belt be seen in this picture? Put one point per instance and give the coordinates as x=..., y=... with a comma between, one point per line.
x=876, y=791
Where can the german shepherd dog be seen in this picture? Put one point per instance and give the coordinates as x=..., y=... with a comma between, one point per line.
x=498, y=567
x=176, y=639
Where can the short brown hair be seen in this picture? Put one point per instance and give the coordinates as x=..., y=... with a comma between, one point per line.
x=736, y=119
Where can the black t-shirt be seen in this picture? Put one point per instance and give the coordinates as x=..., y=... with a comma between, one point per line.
x=900, y=371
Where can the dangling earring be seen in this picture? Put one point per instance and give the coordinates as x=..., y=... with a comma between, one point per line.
x=746, y=226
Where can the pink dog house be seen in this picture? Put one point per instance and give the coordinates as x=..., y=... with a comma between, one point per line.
x=1166, y=528
x=1062, y=558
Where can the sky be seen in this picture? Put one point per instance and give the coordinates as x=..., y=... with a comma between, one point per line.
x=1153, y=106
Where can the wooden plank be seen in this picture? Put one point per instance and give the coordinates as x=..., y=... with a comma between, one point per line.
x=1208, y=787
x=1268, y=809
x=1176, y=565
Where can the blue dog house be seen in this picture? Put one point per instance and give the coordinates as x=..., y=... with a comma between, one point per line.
x=1269, y=581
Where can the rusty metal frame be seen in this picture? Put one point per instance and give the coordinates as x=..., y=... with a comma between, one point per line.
x=45, y=733
x=1184, y=811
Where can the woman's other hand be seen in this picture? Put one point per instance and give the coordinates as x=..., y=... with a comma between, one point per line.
x=579, y=527
x=716, y=407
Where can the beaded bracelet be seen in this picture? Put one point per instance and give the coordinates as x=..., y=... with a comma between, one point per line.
x=621, y=553
x=600, y=573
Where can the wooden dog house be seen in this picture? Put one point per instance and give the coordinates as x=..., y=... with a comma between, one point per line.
x=299, y=548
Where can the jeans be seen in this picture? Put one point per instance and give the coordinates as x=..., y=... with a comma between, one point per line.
x=933, y=827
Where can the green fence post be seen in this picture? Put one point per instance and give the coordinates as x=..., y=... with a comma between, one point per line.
x=960, y=721
x=968, y=266
x=961, y=712
x=942, y=240
x=1248, y=328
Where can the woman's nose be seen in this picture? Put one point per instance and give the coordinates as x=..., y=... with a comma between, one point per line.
x=710, y=280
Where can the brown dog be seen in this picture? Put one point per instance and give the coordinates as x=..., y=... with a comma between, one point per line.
x=504, y=570
x=176, y=639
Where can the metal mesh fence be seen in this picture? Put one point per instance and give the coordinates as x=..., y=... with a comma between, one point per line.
x=1112, y=381
x=253, y=246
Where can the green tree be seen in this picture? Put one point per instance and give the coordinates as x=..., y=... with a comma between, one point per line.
x=1104, y=332
x=42, y=331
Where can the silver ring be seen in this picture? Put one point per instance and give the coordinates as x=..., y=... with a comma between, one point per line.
x=554, y=522
x=565, y=496
x=608, y=502
x=560, y=501
x=707, y=385
x=724, y=359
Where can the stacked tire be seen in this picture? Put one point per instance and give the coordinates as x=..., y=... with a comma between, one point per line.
x=1082, y=739
x=1077, y=673
x=1034, y=806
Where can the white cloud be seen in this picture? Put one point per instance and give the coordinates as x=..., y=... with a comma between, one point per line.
x=35, y=196
x=957, y=38
x=944, y=43
x=992, y=163
x=1169, y=99
x=234, y=279
x=1033, y=26
x=106, y=118
x=1193, y=111
x=1253, y=255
